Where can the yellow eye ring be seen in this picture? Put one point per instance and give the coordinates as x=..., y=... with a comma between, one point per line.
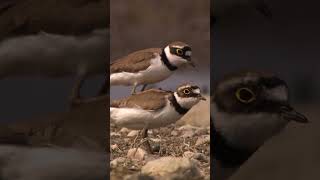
x=186, y=91
x=249, y=93
x=179, y=52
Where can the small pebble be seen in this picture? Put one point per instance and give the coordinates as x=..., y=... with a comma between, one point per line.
x=133, y=133
x=174, y=133
x=114, y=134
x=188, y=154
x=188, y=134
x=115, y=162
x=136, y=154
x=124, y=130
x=114, y=147
x=202, y=140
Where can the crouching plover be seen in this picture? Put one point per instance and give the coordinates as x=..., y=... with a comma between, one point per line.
x=247, y=109
x=154, y=108
x=149, y=65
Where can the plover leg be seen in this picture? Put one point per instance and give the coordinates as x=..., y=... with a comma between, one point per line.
x=144, y=87
x=144, y=140
x=134, y=89
x=146, y=143
x=134, y=141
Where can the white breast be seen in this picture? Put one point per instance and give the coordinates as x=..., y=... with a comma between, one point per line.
x=156, y=72
x=247, y=131
x=135, y=118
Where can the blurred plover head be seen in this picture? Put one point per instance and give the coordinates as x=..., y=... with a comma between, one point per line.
x=150, y=66
x=249, y=107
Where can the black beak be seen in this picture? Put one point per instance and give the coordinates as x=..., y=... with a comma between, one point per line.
x=202, y=98
x=288, y=113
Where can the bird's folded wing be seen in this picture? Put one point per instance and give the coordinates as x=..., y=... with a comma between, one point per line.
x=134, y=62
x=152, y=99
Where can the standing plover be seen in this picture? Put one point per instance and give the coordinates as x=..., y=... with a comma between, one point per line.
x=149, y=65
x=247, y=109
x=154, y=108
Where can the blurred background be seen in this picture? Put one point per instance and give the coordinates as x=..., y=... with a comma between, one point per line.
x=287, y=45
x=65, y=24
x=44, y=47
x=142, y=24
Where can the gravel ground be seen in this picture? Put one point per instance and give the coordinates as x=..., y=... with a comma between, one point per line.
x=171, y=141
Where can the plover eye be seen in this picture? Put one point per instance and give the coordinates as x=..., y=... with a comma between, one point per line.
x=179, y=52
x=186, y=91
x=245, y=95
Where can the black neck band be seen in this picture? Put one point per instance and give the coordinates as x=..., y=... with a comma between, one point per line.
x=228, y=156
x=177, y=106
x=165, y=60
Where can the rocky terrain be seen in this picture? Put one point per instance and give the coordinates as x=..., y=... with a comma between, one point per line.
x=183, y=148
x=180, y=151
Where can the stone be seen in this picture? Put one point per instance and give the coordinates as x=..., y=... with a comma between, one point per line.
x=203, y=140
x=188, y=134
x=174, y=133
x=133, y=133
x=188, y=154
x=124, y=130
x=115, y=162
x=114, y=147
x=187, y=127
x=114, y=134
x=136, y=154
x=173, y=167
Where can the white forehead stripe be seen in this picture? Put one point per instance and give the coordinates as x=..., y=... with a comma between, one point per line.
x=196, y=91
x=176, y=46
x=183, y=87
x=188, y=53
x=278, y=93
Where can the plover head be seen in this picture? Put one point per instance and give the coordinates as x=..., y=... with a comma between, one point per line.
x=179, y=53
x=188, y=95
x=249, y=107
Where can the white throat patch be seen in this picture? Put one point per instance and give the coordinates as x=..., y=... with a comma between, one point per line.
x=174, y=59
x=247, y=131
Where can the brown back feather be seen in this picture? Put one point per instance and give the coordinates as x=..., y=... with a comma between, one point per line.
x=152, y=99
x=134, y=62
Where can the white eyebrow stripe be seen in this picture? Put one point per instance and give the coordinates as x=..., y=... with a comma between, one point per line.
x=278, y=93
x=196, y=91
x=188, y=53
x=175, y=46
